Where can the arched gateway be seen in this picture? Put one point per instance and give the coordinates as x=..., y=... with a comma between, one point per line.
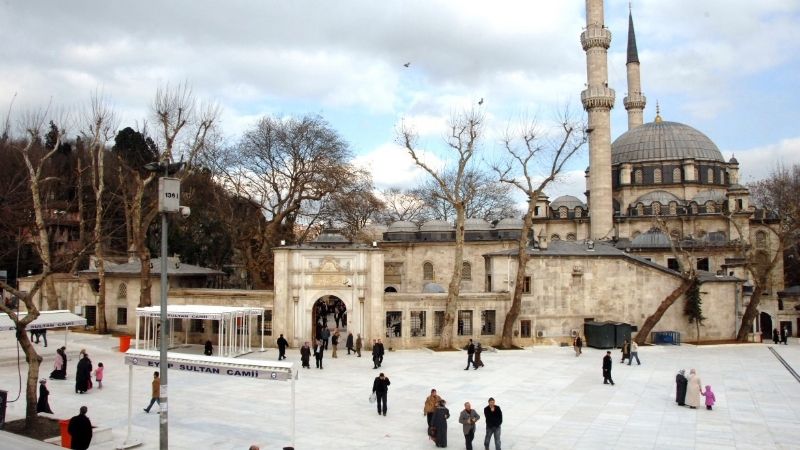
x=329, y=271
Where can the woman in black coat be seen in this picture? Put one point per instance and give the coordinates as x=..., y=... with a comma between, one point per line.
x=680, y=388
x=439, y=421
x=43, y=404
x=83, y=374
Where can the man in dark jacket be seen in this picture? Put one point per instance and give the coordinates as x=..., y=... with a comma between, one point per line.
x=325, y=335
x=305, y=355
x=494, y=419
x=680, y=388
x=380, y=387
x=319, y=349
x=607, y=369
x=470, y=353
x=349, y=343
x=381, y=352
x=282, y=344
x=80, y=429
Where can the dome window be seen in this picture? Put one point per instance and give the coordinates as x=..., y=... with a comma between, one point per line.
x=676, y=175
x=657, y=175
x=555, y=237
x=571, y=236
x=577, y=211
x=673, y=208
x=694, y=208
x=656, y=208
x=637, y=176
x=640, y=209
x=710, y=173
x=563, y=212
x=711, y=207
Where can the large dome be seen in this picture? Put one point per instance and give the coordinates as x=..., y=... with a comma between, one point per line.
x=657, y=141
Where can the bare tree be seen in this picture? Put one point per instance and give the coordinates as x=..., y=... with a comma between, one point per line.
x=485, y=198
x=464, y=135
x=402, y=205
x=279, y=166
x=778, y=230
x=534, y=161
x=354, y=206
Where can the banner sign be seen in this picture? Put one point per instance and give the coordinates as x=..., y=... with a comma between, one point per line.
x=225, y=369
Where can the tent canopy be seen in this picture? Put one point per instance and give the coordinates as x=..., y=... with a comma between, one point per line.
x=46, y=320
x=207, y=312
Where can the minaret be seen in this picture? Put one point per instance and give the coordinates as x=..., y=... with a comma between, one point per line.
x=635, y=101
x=598, y=100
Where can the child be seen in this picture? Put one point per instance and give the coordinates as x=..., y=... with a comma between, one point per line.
x=710, y=399
x=98, y=373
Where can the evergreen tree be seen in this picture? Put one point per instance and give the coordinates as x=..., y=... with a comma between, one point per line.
x=693, y=309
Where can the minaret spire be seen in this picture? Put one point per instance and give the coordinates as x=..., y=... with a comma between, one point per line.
x=634, y=102
x=598, y=99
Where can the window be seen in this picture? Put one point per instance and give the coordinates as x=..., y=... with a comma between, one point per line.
x=427, y=271
x=417, y=323
x=122, y=314
x=177, y=325
x=637, y=176
x=657, y=176
x=122, y=294
x=525, y=328
x=672, y=263
x=438, y=322
x=673, y=208
x=702, y=264
x=640, y=209
x=267, y=325
x=555, y=237
x=536, y=211
x=196, y=326
x=563, y=212
x=656, y=208
x=466, y=271
x=676, y=175
x=526, y=285
x=571, y=236
x=761, y=239
x=710, y=175
x=578, y=211
x=394, y=323
x=694, y=208
x=488, y=323
x=710, y=207
x=464, y=323
x=739, y=204
x=215, y=326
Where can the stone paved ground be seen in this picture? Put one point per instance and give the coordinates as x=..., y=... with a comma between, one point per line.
x=550, y=399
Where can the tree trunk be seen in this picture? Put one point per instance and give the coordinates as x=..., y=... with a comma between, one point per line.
x=34, y=361
x=650, y=322
x=99, y=188
x=506, y=341
x=454, y=289
x=750, y=312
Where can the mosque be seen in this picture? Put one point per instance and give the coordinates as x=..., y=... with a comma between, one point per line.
x=598, y=261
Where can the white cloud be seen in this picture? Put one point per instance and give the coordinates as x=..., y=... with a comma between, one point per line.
x=392, y=166
x=757, y=163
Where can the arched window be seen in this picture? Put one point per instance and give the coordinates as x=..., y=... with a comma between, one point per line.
x=563, y=212
x=673, y=208
x=694, y=208
x=676, y=175
x=656, y=208
x=578, y=211
x=571, y=236
x=427, y=271
x=761, y=239
x=657, y=175
x=711, y=207
x=710, y=174
x=466, y=271
x=637, y=176
x=640, y=209
x=555, y=237
x=122, y=292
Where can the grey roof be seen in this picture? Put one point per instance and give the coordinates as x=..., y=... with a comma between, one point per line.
x=656, y=141
x=567, y=200
x=436, y=225
x=477, y=225
x=654, y=238
x=403, y=226
x=330, y=236
x=703, y=196
x=633, y=54
x=737, y=187
x=662, y=197
x=174, y=268
x=509, y=223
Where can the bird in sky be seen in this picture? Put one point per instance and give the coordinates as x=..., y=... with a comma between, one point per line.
x=480, y=102
x=406, y=64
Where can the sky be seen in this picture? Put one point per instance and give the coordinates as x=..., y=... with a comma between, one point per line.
x=726, y=67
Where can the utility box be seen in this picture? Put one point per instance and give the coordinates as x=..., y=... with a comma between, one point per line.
x=599, y=334
x=169, y=194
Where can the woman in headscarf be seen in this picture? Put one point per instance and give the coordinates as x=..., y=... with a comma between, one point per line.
x=477, y=361
x=680, y=388
x=693, y=390
x=440, y=416
x=83, y=373
x=58, y=372
x=43, y=404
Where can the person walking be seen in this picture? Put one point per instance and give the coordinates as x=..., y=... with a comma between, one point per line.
x=359, y=343
x=155, y=392
x=776, y=336
x=335, y=342
x=349, y=343
x=577, y=345
x=439, y=423
x=693, y=390
x=98, y=375
x=305, y=355
x=381, y=352
x=470, y=354
x=467, y=419
x=680, y=388
x=634, y=354
x=375, y=350
x=325, y=335
x=430, y=406
x=319, y=350
x=494, y=419
x=208, y=348
x=478, y=362
x=607, y=369
x=381, y=387
x=784, y=337
x=43, y=404
x=626, y=351
x=80, y=430
x=83, y=374
x=282, y=344
x=710, y=398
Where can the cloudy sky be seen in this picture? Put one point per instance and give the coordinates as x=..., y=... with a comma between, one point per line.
x=727, y=67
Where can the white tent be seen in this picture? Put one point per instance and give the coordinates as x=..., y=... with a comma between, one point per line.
x=235, y=326
x=45, y=321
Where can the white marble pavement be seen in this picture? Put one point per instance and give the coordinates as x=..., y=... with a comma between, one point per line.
x=549, y=398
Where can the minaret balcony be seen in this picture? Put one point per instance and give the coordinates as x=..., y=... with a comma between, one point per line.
x=597, y=97
x=595, y=36
x=634, y=101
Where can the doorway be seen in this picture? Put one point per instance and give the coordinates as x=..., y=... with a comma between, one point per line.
x=788, y=325
x=330, y=312
x=765, y=320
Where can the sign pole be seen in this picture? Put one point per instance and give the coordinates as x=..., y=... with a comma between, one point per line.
x=164, y=404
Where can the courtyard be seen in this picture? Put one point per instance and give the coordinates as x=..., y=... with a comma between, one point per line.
x=549, y=399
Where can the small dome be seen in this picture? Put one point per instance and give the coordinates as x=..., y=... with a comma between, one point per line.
x=476, y=225
x=659, y=141
x=705, y=196
x=653, y=238
x=436, y=225
x=509, y=223
x=432, y=288
x=662, y=197
x=403, y=226
x=331, y=236
x=733, y=160
x=569, y=201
